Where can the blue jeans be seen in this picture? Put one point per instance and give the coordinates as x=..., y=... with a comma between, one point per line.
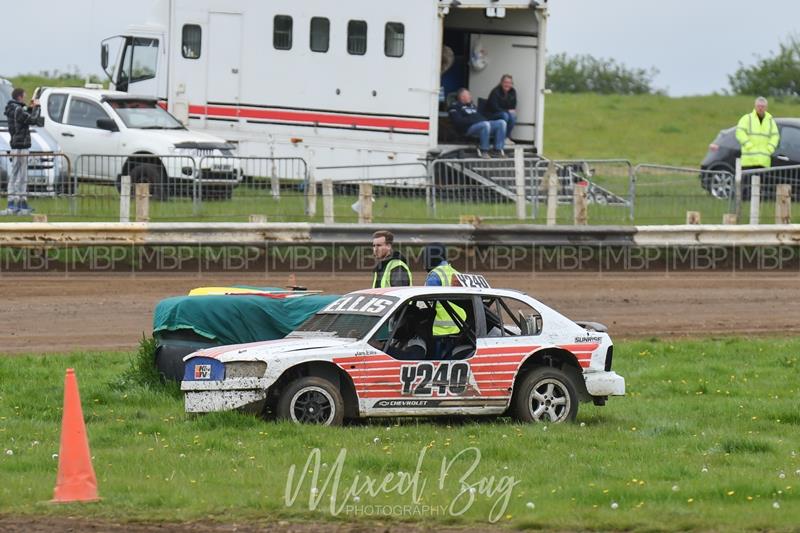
x=509, y=118
x=486, y=129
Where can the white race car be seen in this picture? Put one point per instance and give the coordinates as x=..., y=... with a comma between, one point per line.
x=373, y=353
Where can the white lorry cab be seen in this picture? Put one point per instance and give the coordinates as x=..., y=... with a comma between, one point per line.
x=361, y=82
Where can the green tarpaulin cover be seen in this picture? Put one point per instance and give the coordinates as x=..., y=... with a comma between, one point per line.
x=239, y=318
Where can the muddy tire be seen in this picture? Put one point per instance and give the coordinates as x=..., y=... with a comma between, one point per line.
x=311, y=400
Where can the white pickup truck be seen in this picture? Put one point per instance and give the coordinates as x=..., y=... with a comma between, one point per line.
x=108, y=134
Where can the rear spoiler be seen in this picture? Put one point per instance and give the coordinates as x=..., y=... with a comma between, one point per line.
x=592, y=326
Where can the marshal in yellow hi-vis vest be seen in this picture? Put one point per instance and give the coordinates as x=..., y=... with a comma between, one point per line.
x=386, y=278
x=759, y=139
x=443, y=323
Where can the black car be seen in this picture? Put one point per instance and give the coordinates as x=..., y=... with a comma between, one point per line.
x=720, y=162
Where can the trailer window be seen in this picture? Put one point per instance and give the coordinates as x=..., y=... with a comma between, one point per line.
x=190, y=48
x=320, y=34
x=282, y=32
x=394, y=39
x=357, y=37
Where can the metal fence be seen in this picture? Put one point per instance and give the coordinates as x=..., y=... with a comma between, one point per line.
x=397, y=191
x=181, y=187
x=758, y=194
x=220, y=187
x=666, y=194
x=49, y=177
x=609, y=188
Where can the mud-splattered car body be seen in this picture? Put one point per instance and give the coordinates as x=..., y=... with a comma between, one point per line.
x=417, y=351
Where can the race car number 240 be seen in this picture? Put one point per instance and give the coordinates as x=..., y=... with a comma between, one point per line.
x=423, y=379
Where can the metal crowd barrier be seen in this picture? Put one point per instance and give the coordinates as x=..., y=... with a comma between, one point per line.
x=664, y=194
x=608, y=182
x=229, y=188
x=51, y=185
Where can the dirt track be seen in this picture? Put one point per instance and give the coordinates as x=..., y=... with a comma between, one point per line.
x=54, y=313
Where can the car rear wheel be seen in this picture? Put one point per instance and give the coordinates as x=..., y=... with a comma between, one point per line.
x=312, y=400
x=545, y=395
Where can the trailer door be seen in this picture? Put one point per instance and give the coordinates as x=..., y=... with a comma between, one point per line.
x=224, y=57
x=515, y=55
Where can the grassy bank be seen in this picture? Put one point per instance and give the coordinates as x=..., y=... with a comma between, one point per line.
x=706, y=439
x=644, y=128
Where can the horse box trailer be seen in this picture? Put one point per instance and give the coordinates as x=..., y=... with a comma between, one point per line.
x=358, y=82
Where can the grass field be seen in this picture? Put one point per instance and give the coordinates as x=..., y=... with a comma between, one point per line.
x=644, y=128
x=708, y=438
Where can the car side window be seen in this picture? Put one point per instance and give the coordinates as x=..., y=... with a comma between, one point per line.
x=509, y=317
x=419, y=330
x=790, y=142
x=56, y=104
x=84, y=113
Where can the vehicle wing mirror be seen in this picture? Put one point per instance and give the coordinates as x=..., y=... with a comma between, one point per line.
x=107, y=124
x=104, y=56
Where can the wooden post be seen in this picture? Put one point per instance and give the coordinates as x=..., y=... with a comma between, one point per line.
x=693, y=217
x=365, y=203
x=327, y=201
x=519, y=176
x=469, y=219
x=755, y=198
x=783, y=204
x=142, y=202
x=552, y=194
x=580, y=212
x=311, y=194
x=275, y=182
x=729, y=218
x=125, y=199
x=258, y=219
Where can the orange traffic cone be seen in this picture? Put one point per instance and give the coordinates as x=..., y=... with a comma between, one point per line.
x=76, y=481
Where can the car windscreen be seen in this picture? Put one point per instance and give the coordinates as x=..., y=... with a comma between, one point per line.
x=5, y=96
x=144, y=115
x=346, y=326
x=351, y=316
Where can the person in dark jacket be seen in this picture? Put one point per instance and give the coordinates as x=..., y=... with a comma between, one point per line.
x=20, y=119
x=391, y=268
x=502, y=104
x=469, y=122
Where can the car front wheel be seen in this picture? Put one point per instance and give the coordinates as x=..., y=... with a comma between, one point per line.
x=546, y=395
x=312, y=400
x=720, y=182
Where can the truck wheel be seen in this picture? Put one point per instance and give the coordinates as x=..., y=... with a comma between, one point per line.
x=545, y=395
x=312, y=400
x=152, y=173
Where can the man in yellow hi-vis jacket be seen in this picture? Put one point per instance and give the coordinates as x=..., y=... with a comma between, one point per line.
x=758, y=135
